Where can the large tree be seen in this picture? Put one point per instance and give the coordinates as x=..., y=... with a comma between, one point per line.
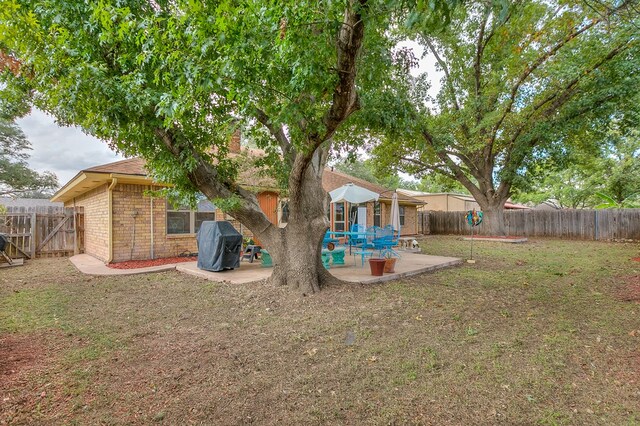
x=16, y=177
x=171, y=80
x=519, y=79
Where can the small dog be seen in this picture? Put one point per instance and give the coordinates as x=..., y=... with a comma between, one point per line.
x=415, y=245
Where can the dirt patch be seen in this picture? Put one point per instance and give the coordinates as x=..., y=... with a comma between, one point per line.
x=630, y=292
x=135, y=264
x=18, y=355
x=24, y=358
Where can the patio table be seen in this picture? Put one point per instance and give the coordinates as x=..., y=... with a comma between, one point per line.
x=352, y=235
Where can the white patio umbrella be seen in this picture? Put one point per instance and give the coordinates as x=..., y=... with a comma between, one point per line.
x=353, y=194
x=395, y=213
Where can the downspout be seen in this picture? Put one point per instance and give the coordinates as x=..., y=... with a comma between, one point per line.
x=75, y=230
x=114, y=182
x=152, y=252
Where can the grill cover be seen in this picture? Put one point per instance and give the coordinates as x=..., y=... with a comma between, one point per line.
x=219, y=246
x=3, y=242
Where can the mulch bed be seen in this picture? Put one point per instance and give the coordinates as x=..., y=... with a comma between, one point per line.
x=134, y=264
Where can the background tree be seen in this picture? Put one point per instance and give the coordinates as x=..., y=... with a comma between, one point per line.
x=605, y=166
x=171, y=80
x=519, y=80
x=571, y=187
x=16, y=178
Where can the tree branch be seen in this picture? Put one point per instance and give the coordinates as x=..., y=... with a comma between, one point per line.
x=345, y=96
x=560, y=97
x=456, y=170
x=478, y=59
x=422, y=166
x=534, y=66
x=205, y=177
x=445, y=70
x=276, y=131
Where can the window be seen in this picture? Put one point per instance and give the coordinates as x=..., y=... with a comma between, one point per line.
x=401, y=208
x=283, y=212
x=376, y=213
x=182, y=220
x=338, y=217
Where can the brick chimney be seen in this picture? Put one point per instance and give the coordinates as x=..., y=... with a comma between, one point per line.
x=234, y=143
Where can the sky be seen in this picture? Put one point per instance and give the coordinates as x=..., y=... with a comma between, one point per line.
x=62, y=150
x=67, y=150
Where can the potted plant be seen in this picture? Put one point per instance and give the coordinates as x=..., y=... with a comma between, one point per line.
x=377, y=266
x=389, y=263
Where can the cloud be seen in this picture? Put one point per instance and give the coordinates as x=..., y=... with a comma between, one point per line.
x=62, y=150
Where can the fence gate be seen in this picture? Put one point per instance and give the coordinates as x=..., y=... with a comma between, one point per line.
x=18, y=228
x=43, y=232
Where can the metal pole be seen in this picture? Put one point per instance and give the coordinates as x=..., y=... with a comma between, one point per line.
x=471, y=239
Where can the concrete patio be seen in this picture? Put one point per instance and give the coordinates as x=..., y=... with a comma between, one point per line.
x=409, y=264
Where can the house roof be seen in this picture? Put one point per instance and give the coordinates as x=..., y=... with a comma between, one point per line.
x=133, y=170
x=332, y=179
x=124, y=171
x=514, y=206
x=464, y=197
x=27, y=202
x=411, y=192
x=131, y=166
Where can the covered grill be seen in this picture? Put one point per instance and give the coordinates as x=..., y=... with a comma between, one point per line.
x=219, y=246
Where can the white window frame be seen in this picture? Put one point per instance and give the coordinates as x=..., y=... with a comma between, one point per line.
x=192, y=218
x=344, y=216
x=377, y=213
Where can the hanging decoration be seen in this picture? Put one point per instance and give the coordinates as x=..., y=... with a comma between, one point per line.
x=474, y=218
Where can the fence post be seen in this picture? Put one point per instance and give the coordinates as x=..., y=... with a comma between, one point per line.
x=32, y=243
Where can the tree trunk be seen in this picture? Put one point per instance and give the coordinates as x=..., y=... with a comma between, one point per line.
x=297, y=258
x=296, y=249
x=493, y=218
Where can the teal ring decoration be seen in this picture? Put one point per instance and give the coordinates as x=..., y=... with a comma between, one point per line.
x=474, y=218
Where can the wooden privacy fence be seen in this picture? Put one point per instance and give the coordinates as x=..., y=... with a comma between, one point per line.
x=609, y=224
x=43, y=231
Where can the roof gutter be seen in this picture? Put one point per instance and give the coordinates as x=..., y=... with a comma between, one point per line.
x=114, y=182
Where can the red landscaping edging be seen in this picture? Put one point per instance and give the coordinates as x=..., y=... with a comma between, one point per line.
x=135, y=264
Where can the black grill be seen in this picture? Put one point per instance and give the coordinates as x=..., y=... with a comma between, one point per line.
x=219, y=246
x=3, y=242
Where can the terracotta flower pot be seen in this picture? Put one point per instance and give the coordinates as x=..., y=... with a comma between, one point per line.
x=390, y=265
x=377, y=266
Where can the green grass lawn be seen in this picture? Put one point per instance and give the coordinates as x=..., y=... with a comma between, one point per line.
x=534, y=333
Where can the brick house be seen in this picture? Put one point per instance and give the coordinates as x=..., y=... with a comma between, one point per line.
x=123, y=222
x=377, y=213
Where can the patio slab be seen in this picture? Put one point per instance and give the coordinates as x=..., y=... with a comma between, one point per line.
x=409, y=264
